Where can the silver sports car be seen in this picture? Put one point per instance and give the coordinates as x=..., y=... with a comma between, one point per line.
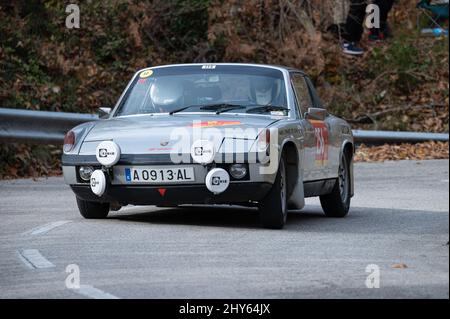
x=242, y=134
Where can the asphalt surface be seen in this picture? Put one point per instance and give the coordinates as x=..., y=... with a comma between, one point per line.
x=399, y=221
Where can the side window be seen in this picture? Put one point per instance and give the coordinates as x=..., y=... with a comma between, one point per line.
x=301, y=91
x=316, y=100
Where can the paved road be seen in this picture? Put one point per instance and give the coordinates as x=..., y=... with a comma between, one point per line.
x=400, y=215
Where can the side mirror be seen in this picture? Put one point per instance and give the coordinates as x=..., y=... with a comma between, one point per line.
x=103, y=112
x=315, y=113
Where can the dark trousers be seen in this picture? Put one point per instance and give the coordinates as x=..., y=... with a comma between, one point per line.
x=355, y=20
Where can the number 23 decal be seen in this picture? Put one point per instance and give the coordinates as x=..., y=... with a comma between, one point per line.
x=321, y=137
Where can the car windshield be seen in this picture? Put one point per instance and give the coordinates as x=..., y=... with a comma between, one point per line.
x=205, y=88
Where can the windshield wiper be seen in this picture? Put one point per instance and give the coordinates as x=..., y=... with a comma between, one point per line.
x=267, y=108
x=221, y=107
x=182, y=109
x=237, y=107
x=218, y=108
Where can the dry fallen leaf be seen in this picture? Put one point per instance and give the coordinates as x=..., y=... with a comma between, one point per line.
x=399, y=266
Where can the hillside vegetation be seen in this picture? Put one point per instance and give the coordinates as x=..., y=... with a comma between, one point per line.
x=398, y=85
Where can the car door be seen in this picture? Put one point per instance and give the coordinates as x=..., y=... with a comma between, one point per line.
x=303, y=102
x=327, y=138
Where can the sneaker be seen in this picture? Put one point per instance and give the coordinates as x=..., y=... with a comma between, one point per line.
x=376, y=35
x=380, y=34
x=351, y=48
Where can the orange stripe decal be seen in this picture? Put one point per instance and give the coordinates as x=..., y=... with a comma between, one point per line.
x=214, y=123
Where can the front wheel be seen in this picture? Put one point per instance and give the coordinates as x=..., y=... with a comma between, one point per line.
x=337, y=203
x=92, y=210
x=273, y=208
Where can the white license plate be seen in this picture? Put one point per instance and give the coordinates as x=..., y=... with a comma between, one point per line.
x=159, y=175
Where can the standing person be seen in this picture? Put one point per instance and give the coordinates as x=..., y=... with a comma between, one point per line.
x=354, y=26
x=383, y=31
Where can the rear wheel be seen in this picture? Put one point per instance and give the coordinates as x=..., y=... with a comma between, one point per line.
x=337, y=203
x=92, y=210
x=273, y=208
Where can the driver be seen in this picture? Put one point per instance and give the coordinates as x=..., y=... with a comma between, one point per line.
x=263, y=90
x=166, y=94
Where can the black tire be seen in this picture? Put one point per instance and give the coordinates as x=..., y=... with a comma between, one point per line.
x=92, y=210
x=337, y=203
x=273, y=208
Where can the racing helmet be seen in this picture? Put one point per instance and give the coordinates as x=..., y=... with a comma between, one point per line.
x=263, y=90
x=166, y=94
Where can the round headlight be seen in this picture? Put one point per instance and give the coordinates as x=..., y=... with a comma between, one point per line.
x=238, y=171
x=86, y=172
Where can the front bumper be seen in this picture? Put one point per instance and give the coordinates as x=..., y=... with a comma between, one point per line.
x=71, y=163
x=174, y=195
x=253, y=187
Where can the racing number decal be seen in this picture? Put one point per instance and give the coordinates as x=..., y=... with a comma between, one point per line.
x=321, y=136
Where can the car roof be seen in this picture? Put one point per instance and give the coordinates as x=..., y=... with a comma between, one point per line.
x=289, y=69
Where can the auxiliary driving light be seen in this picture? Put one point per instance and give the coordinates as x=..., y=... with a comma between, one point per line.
x=107, y=153
x=203, y=152
x=217, y=180
x=238, y=171
x=86, y=172
x=98, y=182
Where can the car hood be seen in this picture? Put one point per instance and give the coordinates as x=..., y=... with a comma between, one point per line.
x=159, y=133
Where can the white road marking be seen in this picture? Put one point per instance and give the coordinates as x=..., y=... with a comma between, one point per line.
x=46, y=228
x=92, y=292
x=34, y=260
x=445, y=181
